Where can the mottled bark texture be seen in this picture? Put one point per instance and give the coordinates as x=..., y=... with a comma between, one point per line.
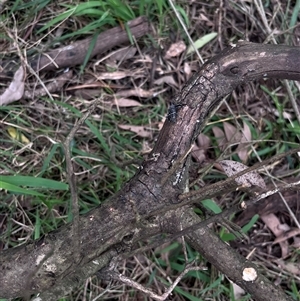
x=135, y=213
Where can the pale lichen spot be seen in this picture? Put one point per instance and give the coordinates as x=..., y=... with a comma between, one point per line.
x=249, y=274
x=50, y=267
x=39, y=259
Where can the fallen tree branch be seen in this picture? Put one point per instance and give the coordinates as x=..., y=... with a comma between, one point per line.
x=74, y=54
x=69, y=56
x=105, y=230
x=225, y=259
x=220, y=217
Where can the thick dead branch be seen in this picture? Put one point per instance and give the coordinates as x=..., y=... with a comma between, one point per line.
x=74, y=54
x=106, y=228
x=69, y=56
x=225, y=259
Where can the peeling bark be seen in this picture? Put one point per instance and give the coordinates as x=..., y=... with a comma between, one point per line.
x=155, y=187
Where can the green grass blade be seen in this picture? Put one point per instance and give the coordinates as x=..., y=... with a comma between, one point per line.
x=129, y=34
x=187, y=295
x=60, y=18
x=89, y=52
x=201, y=42
x=48, y=159
x=37, y=226
x=183, y=14
x=212, y=206
x=34, y=182
x=17, y=189
x=15, y=6
x=96, y=132
x=78, y=10
x=245, y=229
x=295, y=14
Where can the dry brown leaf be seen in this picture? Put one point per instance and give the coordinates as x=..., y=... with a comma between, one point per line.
x=144, y=60
x=126, y=102
x=238, y=292
x=199, y=150
x=15, y=90
x=123, y=54
x=87, y=93
x=202, y=18
x=285, y=114
x=169, y=80
x=291, y=267
x=94, y=84
x=286, y=235
x=242, y=149
x=232, y=133
x=273, y=223
x=198, y=154
x=246, y=133
x=250, y=178
x=112, y=75
x=139, y=130
x=203, y=141
x=55, y=85
x=187, y=70
x=136, y=92
x=243, y=153
x=296, y=243
x=175, y=49
x=220, y=137
x=118, y=74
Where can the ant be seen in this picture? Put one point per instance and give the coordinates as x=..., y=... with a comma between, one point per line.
x=172, y=112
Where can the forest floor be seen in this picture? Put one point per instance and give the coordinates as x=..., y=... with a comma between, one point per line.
x=135, y=82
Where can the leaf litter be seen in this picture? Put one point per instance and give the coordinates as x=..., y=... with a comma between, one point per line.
x=15, y=90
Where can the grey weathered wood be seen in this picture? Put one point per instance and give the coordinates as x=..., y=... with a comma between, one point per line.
x=75, y=54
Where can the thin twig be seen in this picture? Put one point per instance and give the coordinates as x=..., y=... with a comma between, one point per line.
x=72, y=181
x=130, y=282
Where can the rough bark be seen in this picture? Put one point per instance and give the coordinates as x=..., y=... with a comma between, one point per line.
x=155, y=187
x=223, y=257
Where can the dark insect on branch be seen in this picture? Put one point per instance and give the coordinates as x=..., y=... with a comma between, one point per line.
x=172, y=112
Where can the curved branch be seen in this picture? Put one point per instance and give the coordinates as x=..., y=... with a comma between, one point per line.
x=157, y=183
